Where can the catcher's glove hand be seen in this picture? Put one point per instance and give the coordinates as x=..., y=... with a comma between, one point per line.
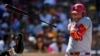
x=19, y=47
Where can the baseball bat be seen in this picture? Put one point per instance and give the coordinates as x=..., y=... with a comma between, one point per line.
x=23, y=12
x=69, y=21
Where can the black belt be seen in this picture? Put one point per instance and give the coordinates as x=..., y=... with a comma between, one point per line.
x=78, y=53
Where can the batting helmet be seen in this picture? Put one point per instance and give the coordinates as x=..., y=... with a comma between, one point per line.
x=78, y=8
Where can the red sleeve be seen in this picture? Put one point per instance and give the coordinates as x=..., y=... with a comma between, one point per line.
x=77, y=34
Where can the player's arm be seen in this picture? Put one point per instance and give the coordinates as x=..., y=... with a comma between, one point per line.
x=77, y=31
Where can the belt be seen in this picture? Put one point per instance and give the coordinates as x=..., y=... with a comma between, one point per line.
x=79, y=53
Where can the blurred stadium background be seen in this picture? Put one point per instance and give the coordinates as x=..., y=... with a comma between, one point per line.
x=38, y=36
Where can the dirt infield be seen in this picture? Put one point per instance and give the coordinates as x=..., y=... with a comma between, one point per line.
x=40, y=54
x=44, y=54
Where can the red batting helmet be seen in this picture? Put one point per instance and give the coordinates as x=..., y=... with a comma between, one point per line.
x=78, y=8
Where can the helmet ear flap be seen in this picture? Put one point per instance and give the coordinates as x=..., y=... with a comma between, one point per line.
x=83, y=14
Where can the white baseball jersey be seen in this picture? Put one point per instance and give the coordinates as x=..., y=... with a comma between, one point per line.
x=83, y=45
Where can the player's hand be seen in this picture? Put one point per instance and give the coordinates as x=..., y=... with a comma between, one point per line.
x=71, y=26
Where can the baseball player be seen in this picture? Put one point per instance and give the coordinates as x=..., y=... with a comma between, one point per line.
x=18, y=48
x=80, y=28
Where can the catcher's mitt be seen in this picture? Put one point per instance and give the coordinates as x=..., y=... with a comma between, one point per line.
x=19, y=47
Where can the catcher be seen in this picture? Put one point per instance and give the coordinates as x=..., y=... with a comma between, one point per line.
x=18, y=48
x=80, y=29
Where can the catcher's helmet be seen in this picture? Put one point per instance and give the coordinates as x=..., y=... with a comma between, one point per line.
x=78, y=8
